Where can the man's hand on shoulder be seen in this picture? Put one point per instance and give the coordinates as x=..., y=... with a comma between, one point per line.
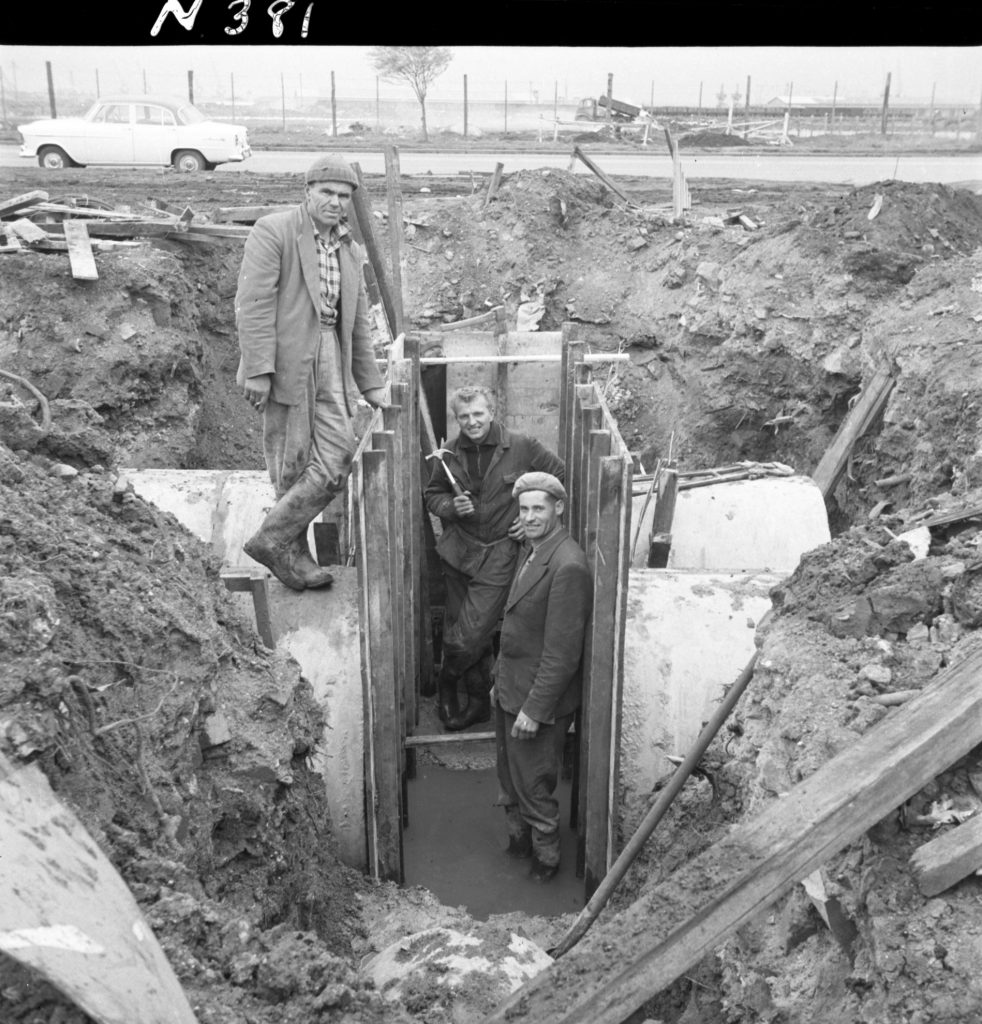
x=517, y=529
x=376, y=398
x=256, y=391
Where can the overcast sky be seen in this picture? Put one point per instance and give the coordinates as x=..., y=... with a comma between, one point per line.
x=673, y=75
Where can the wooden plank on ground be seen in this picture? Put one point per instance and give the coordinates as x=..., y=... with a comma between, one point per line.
x=860, y=416
x=10, y=206
x=675, y=924
x=80, y=251
x=26, y=229
x=121, y=228
x=945, y=861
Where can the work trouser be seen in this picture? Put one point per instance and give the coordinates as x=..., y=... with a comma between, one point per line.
x=474, y=605
x=310, y=445
x=528, y=773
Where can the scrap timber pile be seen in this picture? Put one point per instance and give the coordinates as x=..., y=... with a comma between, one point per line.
x=757, y=325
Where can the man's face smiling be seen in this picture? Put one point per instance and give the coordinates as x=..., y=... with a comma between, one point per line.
x=539, y=513
x=327, y=203
x=474, y=419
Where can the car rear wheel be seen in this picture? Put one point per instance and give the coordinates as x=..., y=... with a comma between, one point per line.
x=54, y=158
x=189, y=160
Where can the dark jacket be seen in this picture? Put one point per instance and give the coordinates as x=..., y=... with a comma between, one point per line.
x=463, y=539
x=539, y=667
x=277, y=309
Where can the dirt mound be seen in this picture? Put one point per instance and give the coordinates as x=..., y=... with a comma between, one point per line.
x=711, y=140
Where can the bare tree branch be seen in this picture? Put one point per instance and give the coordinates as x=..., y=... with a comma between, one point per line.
x=416, y=65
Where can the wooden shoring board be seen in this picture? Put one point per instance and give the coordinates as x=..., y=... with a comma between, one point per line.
x=384, y=746
x=362, y=205
x=571, y=404
x=856, y=423
x=571, y=350
x=590, y=418
x=80, y=251
x=394, y=197
x=596, y=443
x=407, y=552
x=618, y=447
x=660, y=541
x=675, y=924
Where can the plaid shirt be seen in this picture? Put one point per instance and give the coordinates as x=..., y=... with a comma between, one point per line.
x=330, y=272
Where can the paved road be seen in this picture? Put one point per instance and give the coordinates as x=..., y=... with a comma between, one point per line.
x=783, y=166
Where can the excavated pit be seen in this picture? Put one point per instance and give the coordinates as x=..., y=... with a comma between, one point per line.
x=743, y=346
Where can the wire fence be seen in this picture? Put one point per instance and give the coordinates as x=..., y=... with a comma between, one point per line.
x=287, y=100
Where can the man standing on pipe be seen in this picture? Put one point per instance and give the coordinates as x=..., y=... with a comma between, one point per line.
x=538, y=675
x=302, y=316
x=479, y=545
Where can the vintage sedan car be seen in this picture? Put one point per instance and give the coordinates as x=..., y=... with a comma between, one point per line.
x=156, y=130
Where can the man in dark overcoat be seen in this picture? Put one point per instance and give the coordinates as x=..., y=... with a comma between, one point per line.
x=538, y=672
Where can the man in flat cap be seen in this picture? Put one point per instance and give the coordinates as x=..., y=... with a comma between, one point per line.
x=538, y=674
x=302, y=316
x=479, y=545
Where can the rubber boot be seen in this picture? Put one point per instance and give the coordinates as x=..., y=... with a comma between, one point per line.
x=314, y=576
x=274, y=544
x=448, y=706
x=477, y=681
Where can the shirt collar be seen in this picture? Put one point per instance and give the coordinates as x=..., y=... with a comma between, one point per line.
x=334, y=236
x=492, y=438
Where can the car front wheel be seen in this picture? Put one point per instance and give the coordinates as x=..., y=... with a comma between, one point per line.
x=189, y=160
x=54, y=158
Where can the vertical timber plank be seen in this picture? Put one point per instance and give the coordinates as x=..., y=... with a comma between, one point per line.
x=590, y=419
x=606, y=658
x=386, y=719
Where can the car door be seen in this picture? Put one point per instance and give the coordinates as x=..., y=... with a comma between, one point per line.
x=109, y=136
x=154, y=133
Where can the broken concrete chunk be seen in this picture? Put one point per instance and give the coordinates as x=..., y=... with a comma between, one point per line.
x=215, y=730
x=63, y=470
x=709, y=272
x=879, y=675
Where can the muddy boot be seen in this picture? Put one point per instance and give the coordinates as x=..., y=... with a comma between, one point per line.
x=545, y=857
x=519, y=834
x=313, y=575
x=447, y=706
x=274, y=544
x=477, y=680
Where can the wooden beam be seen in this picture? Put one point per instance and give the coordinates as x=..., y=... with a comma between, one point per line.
x=678, y=922
x=857, y=422
x=577, y=152
x=255, y=582
x=80, y=251
x=394, y=195
x=945, y=861
x=590, y=358
x=122, y=229
x=491, y=317
x=362, y=206
x=443, y=738
x=247, y=214
x=9, y=206
x=660, y=542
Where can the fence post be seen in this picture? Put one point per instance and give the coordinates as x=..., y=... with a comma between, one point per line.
x=51, y=89
x=334, y=109
x=886, y=103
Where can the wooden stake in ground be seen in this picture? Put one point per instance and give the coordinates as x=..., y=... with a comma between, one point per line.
x=578, y=153
x=493, y=186
x=80, y=251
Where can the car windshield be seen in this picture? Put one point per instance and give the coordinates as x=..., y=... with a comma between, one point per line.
x=187, y=114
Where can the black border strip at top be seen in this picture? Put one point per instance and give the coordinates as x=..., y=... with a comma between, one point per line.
x=506, y=22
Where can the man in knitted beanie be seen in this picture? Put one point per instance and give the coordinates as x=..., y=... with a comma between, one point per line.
x=305, y=341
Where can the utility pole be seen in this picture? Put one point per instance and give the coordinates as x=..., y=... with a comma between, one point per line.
x=3, y=100
x=747, y=101
x=506, y=106
x=610, y=93
x=282, y=102
x=934, y=86
x=145, y=89
x=378, y=111
x=231, y=82
x=191, y=87
x=886, y=103
x=97, y=93
x=835, y=95
x=700, y=98
x=465, y=106
x=51, y=89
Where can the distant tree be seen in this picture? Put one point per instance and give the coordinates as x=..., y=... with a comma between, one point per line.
x=417, y=65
